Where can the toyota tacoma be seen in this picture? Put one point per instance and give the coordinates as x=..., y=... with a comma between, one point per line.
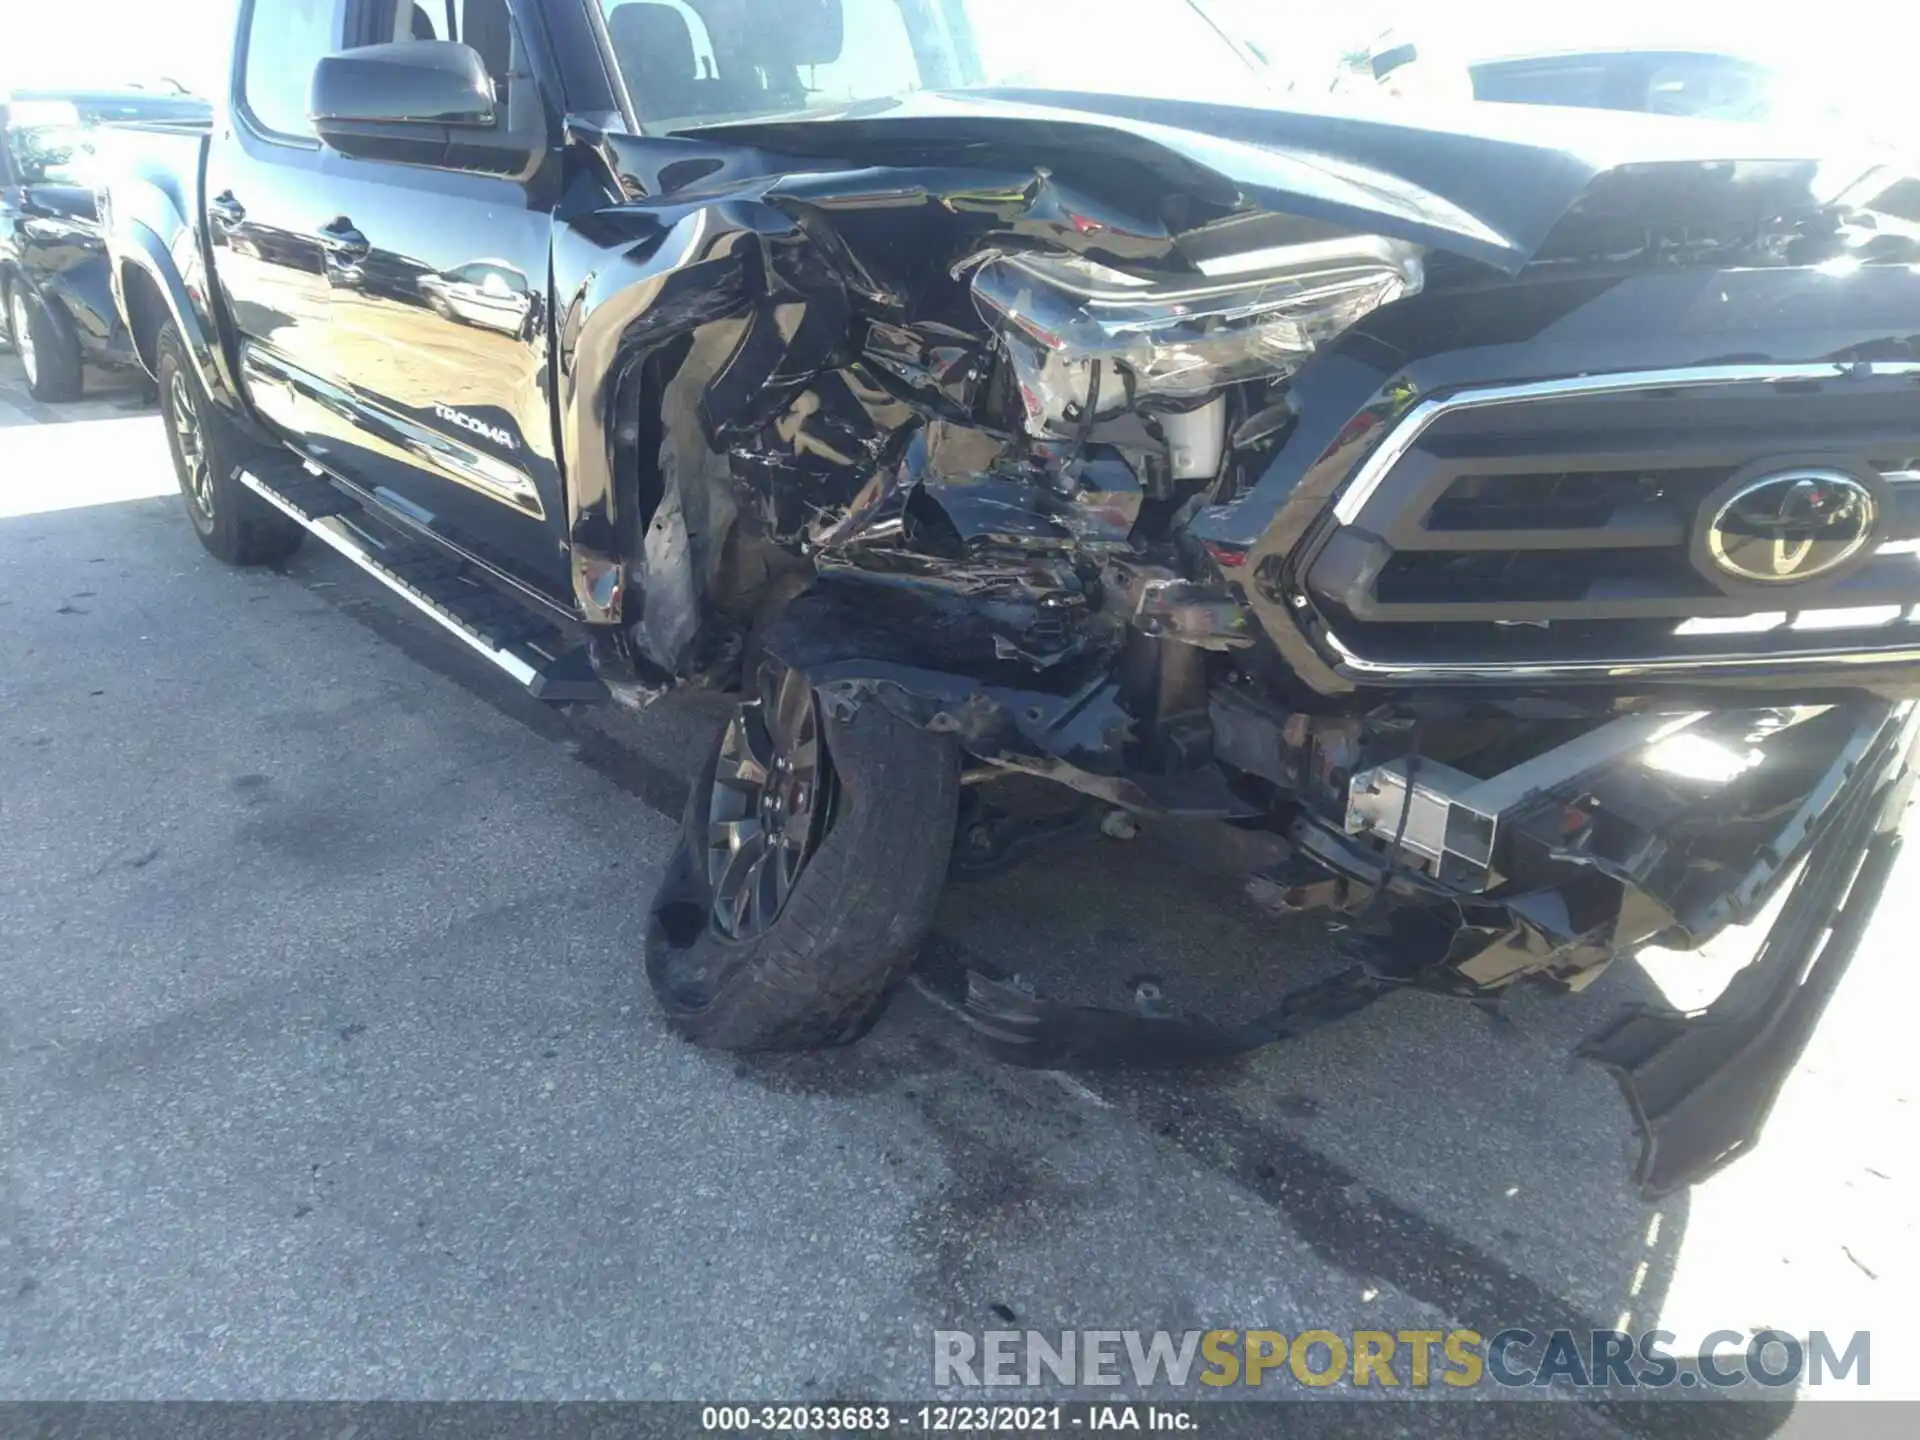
x=1507, y=524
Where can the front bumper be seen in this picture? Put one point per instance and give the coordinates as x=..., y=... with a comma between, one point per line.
x=1700, y=1084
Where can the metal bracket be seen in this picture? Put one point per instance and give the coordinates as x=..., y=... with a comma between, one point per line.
x=1453, y=820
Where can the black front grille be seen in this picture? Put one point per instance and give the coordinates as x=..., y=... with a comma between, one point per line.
x=1574, y=500
x=1562, y=579
x=1567, y=525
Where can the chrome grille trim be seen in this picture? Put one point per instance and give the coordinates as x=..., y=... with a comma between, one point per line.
x=1647, y=666
x=1407, y=431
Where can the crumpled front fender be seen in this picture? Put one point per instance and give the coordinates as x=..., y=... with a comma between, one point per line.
x=935, y=661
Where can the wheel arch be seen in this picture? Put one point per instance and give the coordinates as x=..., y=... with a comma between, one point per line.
x=151, y=293
x=146, y=311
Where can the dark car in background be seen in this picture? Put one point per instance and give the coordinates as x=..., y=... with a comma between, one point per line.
x=56, y=302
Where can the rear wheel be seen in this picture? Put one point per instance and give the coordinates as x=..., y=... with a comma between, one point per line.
x=48, y=351
x=811, y=857
x=209, y=451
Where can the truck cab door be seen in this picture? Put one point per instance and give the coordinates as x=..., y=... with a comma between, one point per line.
x=438, y=343
x=265, y=190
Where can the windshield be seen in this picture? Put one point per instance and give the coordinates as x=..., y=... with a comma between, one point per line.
x=693, y=62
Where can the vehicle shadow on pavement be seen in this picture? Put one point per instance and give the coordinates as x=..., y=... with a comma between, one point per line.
x=106, y=397
x=1424, y=1148
x=1457, y=1164
x=1425, y=1145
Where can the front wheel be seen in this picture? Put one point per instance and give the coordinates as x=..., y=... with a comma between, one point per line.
x=812, y=854
x=209, y=451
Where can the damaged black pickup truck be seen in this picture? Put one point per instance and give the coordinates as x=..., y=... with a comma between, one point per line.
x=1512, y=525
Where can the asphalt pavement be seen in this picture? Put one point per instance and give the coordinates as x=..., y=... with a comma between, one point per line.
x=327, y=1067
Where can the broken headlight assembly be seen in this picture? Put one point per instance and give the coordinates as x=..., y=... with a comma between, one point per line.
x=1089, y=342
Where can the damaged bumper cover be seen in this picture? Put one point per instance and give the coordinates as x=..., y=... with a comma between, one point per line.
x=1814, y=799
x=1701, y=1085
x=1064, y=451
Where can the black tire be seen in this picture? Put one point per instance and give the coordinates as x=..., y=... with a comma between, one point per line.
x=51, y=354
x=819, y=972
x=208, y=450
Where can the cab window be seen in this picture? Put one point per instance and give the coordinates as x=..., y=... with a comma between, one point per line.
x=485, y=25
x=285, y=39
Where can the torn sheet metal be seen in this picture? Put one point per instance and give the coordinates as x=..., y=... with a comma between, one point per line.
x=1025, y=450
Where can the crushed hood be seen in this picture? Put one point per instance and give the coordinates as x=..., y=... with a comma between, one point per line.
x=1499, y=184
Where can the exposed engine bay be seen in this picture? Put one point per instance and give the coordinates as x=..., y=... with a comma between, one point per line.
x=1133, y=478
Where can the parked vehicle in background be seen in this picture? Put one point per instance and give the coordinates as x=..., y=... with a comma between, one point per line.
x=1705, y=84
x=1701, y=84
x=56, y=298
x=489, y=293
x=1508, y=525
x=1708, y=59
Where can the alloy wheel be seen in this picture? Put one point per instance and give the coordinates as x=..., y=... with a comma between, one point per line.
x=183, y=418
x=769, y=803
x=22, y=330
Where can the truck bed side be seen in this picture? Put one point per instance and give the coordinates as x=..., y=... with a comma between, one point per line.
x=153, y=212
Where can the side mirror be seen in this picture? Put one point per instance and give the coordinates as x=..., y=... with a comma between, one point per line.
x=422, y=102
x=407, y=82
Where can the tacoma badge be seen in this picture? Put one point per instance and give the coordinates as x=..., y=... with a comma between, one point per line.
x=473, y=423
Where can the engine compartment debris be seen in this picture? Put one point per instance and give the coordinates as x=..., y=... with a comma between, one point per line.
x=1329, y=506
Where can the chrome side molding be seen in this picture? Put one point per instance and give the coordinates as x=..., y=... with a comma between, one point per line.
x=338, y=536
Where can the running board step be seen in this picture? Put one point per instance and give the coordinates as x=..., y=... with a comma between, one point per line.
x=438, y=585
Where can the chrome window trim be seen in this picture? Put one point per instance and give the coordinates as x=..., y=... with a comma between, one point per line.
x=1408, y=430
